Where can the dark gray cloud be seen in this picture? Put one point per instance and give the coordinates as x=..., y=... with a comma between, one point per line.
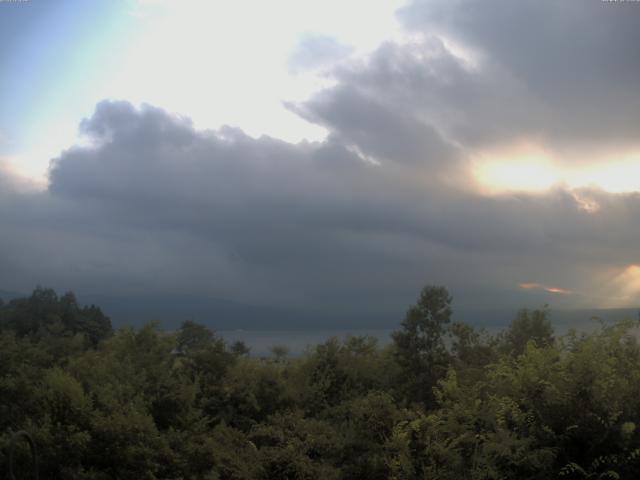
x=570, y=68
x=157, y=206
x=563, y=74
x=378, y=128
x=384, y=205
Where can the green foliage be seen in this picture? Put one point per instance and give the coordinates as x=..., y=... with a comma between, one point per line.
x=335, y=372
x=420, y=348
x=253, y=391
x=366, y=424
x=527, y=327
x=144, y=403
x=193, y=337
x=297, y=448
x=240, y=348
x=280, y=352
x=43, y=313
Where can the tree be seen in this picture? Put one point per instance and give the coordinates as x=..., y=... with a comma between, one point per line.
x=527, y=326
x=240, y=348
x=94, y=324
x=471, y=350
x=420, y=348
x=292, y=447
x=280, y=352
x=193, y=337
x=46, y=314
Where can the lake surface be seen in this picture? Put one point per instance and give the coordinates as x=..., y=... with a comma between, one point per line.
x=298, y=341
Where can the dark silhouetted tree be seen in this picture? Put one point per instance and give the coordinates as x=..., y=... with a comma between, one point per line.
x=280, y=352
x=193, y=337
x=240, y=348
x=527, y=326
x=420, y=347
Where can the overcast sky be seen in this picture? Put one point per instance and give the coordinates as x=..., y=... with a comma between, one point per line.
x=329, y=154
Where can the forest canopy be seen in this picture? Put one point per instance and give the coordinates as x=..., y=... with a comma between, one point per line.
x=443, y=400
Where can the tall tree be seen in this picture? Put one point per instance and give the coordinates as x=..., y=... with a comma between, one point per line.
x=420, y=348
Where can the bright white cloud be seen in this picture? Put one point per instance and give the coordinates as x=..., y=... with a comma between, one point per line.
x=220, y=63
x=226, y=62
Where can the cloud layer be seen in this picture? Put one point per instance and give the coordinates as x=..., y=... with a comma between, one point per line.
x=387, y=203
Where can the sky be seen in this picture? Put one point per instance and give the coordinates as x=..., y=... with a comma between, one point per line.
x=334, y=155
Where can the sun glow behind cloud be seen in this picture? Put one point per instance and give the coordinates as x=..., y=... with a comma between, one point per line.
x=534, y=170
x=626, y=285
x=538, y=286
x=529, y=174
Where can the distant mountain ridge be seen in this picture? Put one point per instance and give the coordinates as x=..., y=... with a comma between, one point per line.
x=220, y=314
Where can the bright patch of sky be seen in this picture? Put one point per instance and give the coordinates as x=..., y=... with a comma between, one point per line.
x=532, y=169
x=217, y=62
